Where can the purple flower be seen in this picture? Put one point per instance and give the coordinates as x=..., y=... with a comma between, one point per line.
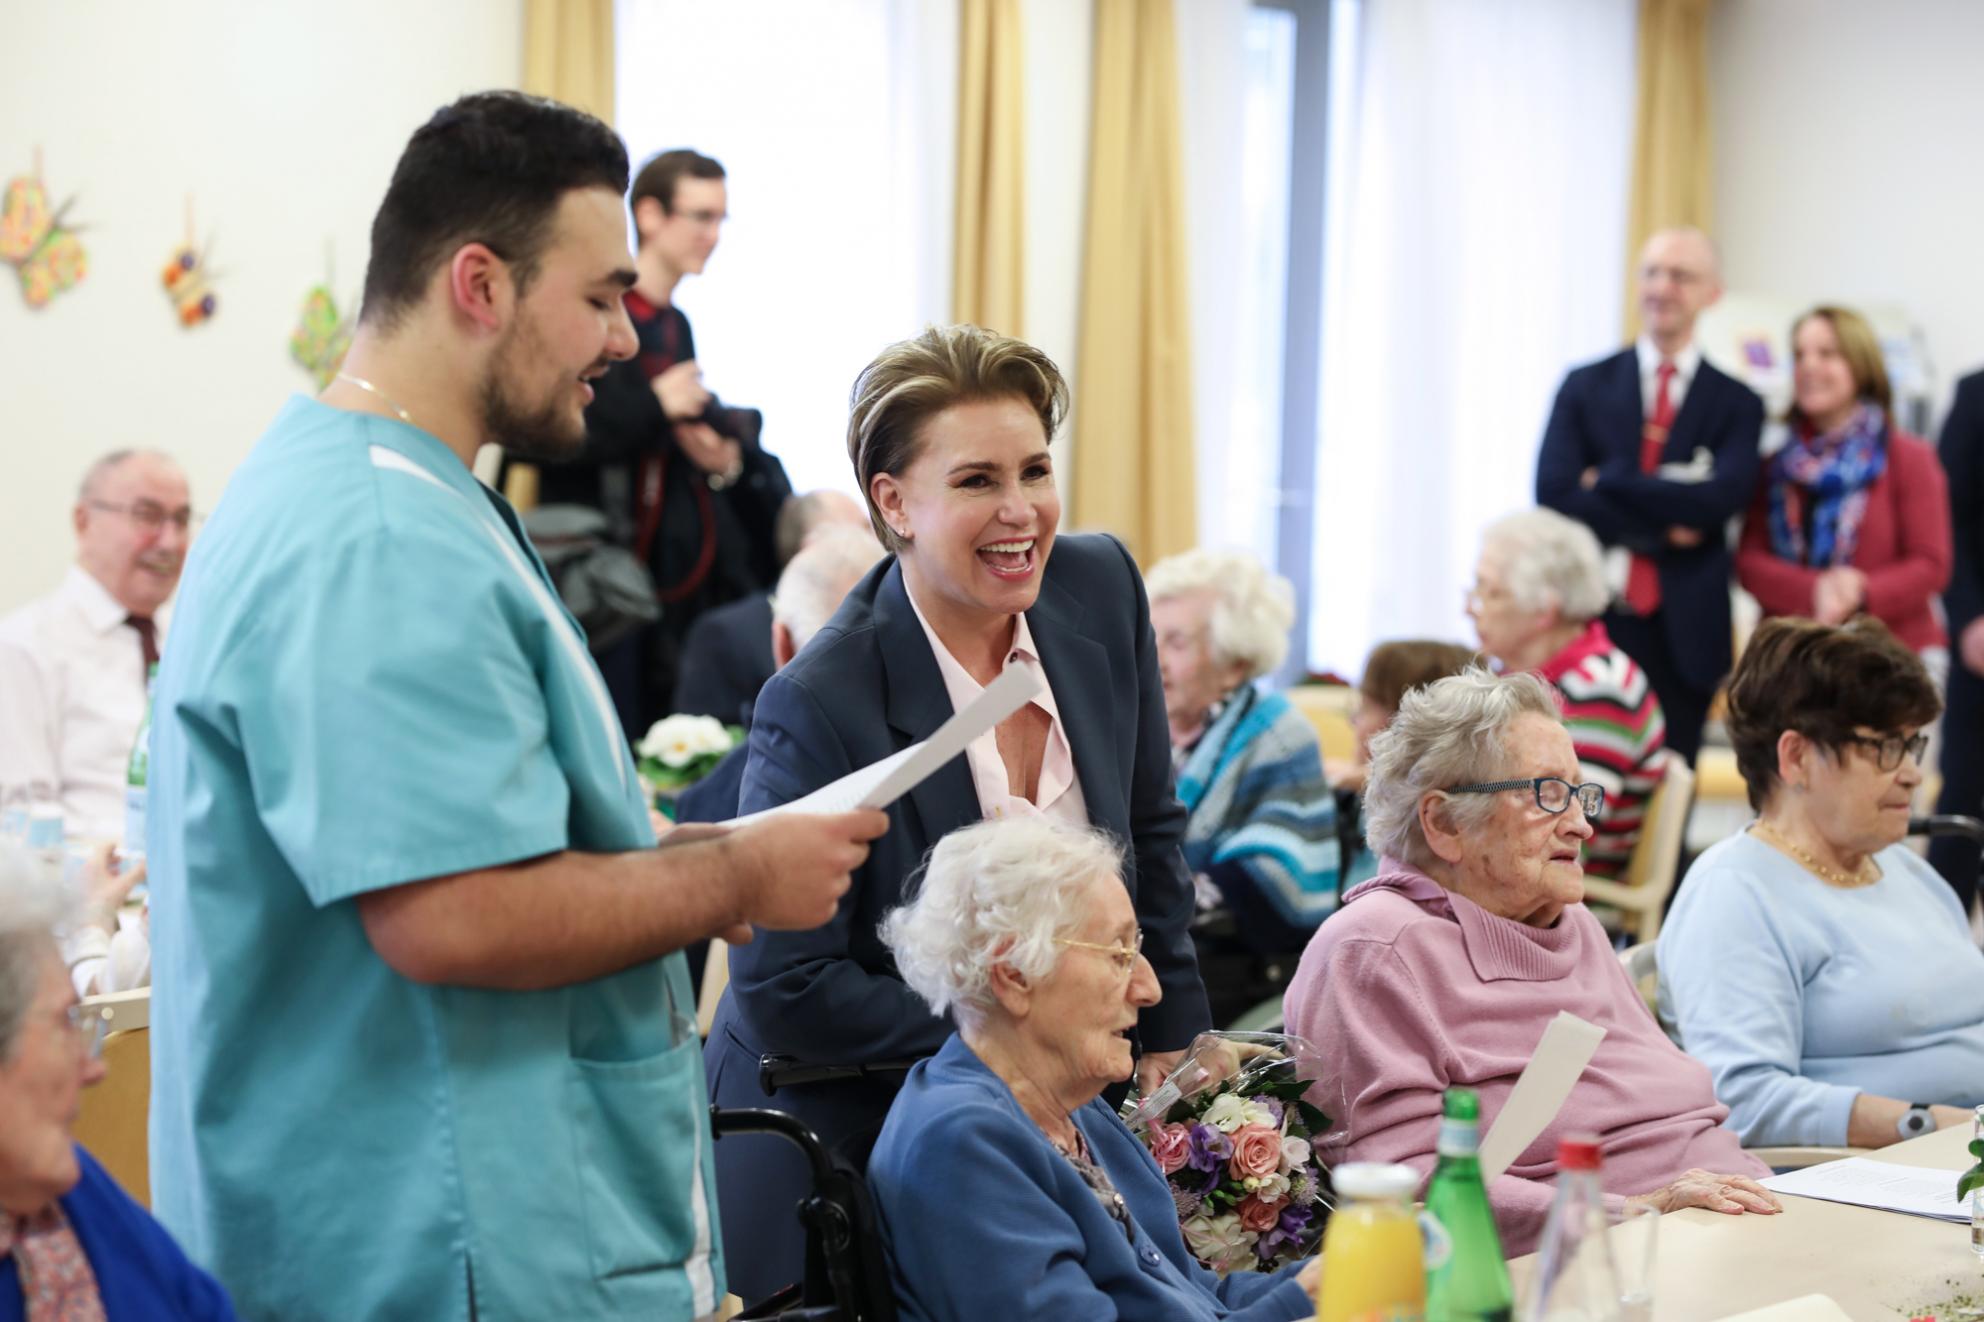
x=1187, y=1201
x=1273, y=1107
x=1290, y=1229
x=1210, y=1148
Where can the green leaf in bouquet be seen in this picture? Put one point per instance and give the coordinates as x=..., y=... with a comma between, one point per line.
x=1318, y=1123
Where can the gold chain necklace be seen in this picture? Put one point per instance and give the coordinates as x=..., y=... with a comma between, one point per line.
x=1831, y=876
x=387, y=399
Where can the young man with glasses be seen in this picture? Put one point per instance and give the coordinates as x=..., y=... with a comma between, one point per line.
x=681, y=479
x=73, y=664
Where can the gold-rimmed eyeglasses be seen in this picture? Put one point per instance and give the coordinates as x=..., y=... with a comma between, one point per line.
x=1124, y=957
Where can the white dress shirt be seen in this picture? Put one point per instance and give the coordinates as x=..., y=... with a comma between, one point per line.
x=1686, y=363
x=72, y=695
x=1059, y=793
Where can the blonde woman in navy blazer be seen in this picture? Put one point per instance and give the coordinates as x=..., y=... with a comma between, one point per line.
x=948, y=435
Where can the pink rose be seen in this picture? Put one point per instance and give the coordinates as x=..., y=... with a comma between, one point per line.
x=1171, y=1145
x=1258, y=1216
x=1256, y=1151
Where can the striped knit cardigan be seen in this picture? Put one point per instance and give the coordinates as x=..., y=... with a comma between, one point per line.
x=1617, y=728
x=1263, y=819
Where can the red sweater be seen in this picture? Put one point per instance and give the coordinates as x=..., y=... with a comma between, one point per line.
x=1904, y=548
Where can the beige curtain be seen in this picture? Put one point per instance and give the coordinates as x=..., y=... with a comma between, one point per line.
x=568, y=53
x=568, y=56
x=1673, y=162
x=1133, y=448
x=988, y=254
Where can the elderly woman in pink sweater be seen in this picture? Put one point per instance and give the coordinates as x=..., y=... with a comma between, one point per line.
x=1445, y=967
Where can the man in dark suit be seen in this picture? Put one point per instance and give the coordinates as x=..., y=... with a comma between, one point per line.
x=727, y=656
x=1655, y=450
x=1962, y=452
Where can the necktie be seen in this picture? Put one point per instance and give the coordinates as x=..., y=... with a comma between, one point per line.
x=148, y=636
x=1643, y=576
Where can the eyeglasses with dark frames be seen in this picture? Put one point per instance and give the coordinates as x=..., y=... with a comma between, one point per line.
x=1888, y=748
x=1553, y=793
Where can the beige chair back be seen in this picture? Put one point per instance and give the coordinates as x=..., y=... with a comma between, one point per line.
x=716, y=976
x=1641, y=894
x=116, y=1113
x=1328, y=708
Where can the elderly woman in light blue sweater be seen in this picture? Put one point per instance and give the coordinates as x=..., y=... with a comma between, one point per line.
x=1819, y=968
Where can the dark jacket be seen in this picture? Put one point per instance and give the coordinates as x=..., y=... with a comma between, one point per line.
x=1596, y=423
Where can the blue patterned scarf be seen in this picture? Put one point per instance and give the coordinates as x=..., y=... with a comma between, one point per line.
x=1829, y=475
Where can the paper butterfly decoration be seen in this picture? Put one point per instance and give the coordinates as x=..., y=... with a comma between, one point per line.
x=321, y=336
x=185, y=279
x=49, y=258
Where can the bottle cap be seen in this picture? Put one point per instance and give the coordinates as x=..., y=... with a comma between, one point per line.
x=1578, y=1153
x=1463, y=1104
x=1375, y=1179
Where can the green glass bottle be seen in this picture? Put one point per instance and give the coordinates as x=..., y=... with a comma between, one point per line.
x=1472, y=1285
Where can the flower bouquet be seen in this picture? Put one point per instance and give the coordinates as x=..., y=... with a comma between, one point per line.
x=680, y=750
x=1241, y=1149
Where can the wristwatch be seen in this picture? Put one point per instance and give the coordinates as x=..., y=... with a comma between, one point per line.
x=1915, y=1121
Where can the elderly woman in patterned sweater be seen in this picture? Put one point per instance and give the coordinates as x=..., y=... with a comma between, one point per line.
x=1539, y=588
x=1262, y=835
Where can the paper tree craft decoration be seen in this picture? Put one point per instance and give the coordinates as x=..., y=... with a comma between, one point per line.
x=186, y=279
x=48, y=256
x=321, y=336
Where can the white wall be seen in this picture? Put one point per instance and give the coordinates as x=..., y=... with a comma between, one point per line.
x=1847, y=159
x=283, y=120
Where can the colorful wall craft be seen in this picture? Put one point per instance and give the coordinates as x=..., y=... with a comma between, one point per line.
x=187, y=279
x=43, y=250
x=321, y=336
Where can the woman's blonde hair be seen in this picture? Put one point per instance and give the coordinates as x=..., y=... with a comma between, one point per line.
x=913, y=381
x=1861, y=349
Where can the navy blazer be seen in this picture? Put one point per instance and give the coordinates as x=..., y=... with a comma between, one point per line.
x=1596, y=423
x=1962, y=452
x=984, y=1219
x=726, y=658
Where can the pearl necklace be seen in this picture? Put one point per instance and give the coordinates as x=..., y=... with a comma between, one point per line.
x=1831, y=876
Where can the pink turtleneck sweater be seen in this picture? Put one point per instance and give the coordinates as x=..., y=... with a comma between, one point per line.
x=1409, y=989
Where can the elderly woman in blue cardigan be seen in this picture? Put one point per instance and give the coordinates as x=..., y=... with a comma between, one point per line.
x=1005, y=1185
x=1262, y=833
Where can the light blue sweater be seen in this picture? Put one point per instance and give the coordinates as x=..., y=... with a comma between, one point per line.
x=1799, y=996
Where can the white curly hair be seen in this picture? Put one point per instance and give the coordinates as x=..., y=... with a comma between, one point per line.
x=1252, y=609
x=1550, y=560
x=995, y=892
x=32, y=907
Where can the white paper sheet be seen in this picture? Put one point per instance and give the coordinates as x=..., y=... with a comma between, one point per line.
x=1566, y=1048
x=1915, y=1190
x=1805, y=1308
x=880, y=784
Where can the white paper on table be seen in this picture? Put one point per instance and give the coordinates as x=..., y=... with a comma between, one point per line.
x=1915, y=1190
x=1566, y=1048
x=880, y=784
x=1805, y=1308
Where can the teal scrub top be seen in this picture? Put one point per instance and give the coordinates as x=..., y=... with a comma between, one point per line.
x=371, y=682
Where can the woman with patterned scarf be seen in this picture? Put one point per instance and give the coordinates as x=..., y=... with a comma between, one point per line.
x=1852, y=515
x=1262, y=836
x=73, y=1246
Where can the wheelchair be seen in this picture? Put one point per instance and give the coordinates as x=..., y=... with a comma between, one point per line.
x=846, y=1277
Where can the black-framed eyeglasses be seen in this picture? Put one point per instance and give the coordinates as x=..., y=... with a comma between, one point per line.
x=1888, y=748
x=1553, y=793
x=152, y=518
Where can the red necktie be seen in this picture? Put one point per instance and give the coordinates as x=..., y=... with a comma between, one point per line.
x=1643, y=577
x=148, y=637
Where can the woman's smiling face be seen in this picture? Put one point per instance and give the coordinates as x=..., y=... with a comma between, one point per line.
x=979, y=508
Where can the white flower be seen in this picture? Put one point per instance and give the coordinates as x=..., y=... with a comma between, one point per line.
x=1220, y=1242
x=1294, y=1153
x=1227, y=1113
x=676, y=741
x=1259, y=1115
x=1268, y=1187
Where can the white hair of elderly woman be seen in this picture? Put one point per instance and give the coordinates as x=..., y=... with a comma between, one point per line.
x=1451, y=732
x=1252, y=609
x=1549, y=560
x=820, y=573
x=995, y=892
x=32, y=906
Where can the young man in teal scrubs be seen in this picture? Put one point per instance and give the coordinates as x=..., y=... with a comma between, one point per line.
x=423, y=1046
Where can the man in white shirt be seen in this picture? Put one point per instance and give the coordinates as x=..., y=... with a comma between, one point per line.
x=1655, y=450
x=73, y=664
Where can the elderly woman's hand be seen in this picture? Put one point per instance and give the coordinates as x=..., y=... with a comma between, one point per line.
x=1733, y=1194
x=1310, y=1278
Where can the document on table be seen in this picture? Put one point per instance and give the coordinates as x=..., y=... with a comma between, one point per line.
x=880, y=784
x=1805, y=1308
x=1915, y=1190
x=1565, y=1049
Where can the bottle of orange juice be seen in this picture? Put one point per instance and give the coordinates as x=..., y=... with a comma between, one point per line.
x=1374, y=1266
